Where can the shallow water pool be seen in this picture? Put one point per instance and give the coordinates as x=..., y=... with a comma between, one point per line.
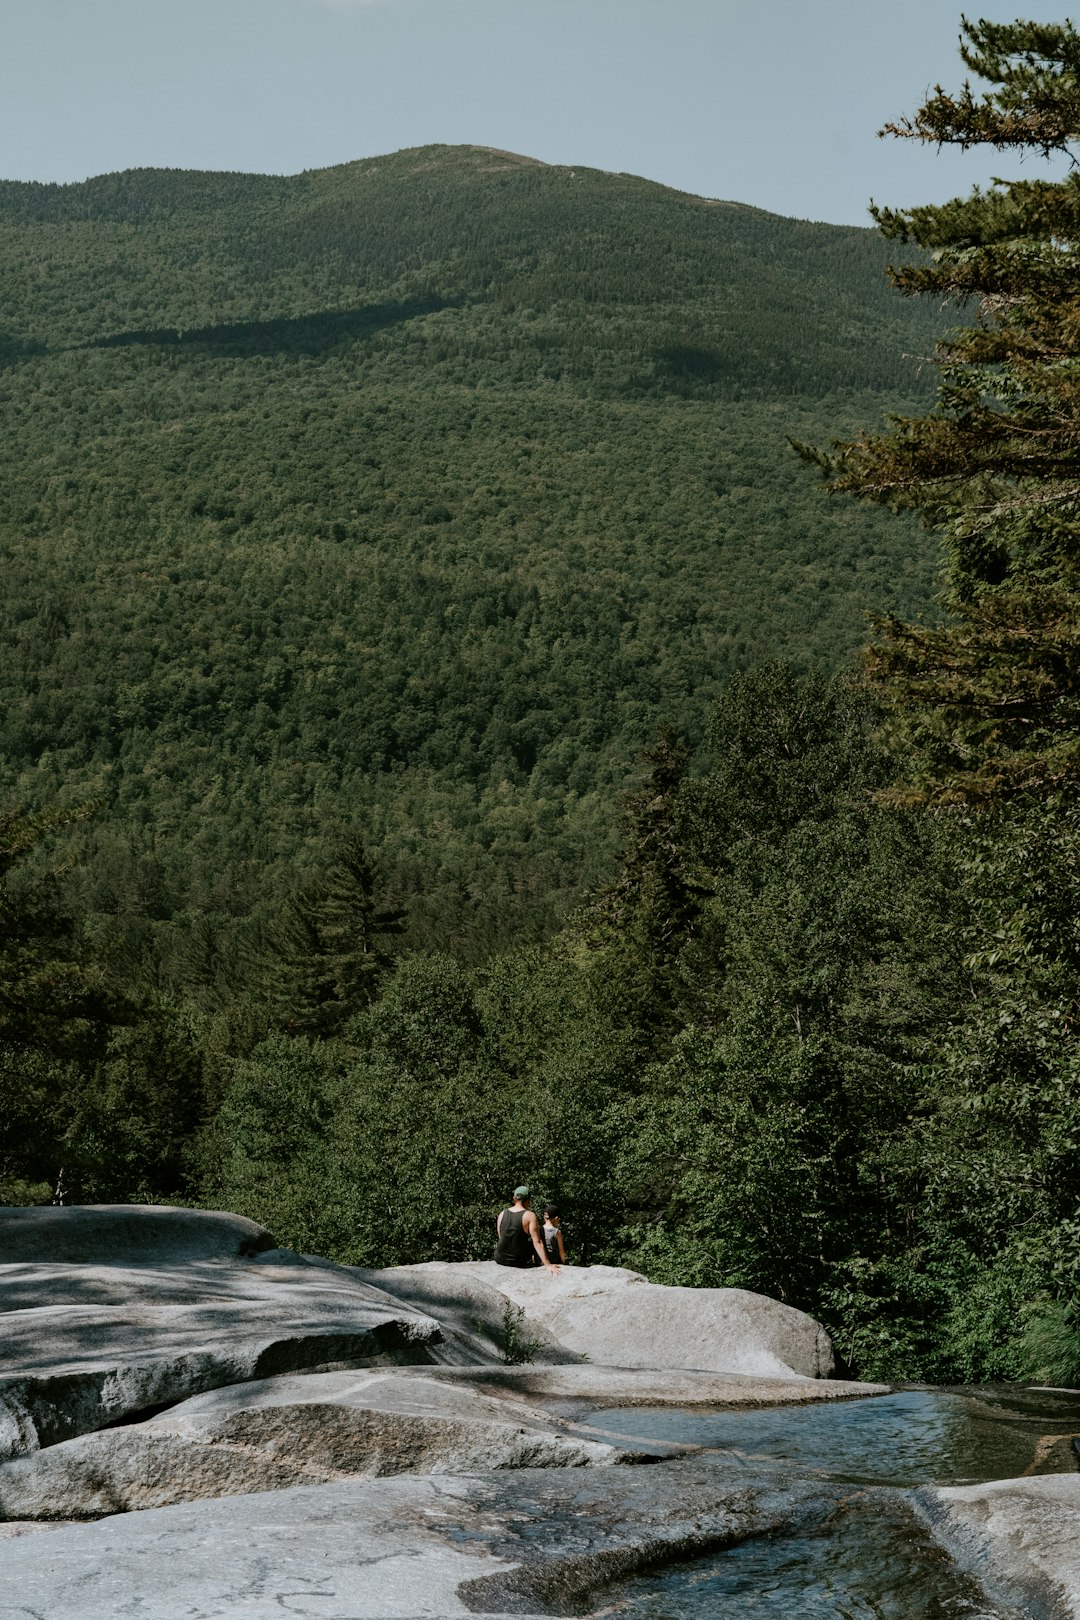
x=869, y=1557
x=914, y=1437
x=872, y=1560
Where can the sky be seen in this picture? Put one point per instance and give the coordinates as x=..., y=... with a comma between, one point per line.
x=770, y=102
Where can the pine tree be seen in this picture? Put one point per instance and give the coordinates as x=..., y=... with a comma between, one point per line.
x=988, y=702
x=991, y=698
x=54, y=1011
x=51, y=998
x=325, y=954
x=642, y=921
x=354, y=930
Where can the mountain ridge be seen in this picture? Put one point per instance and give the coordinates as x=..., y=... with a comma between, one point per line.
x=445, y=151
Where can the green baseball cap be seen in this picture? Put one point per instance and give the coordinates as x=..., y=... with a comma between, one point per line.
x=521, y=1192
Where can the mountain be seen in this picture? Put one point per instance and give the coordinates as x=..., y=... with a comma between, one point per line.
x=409, y=497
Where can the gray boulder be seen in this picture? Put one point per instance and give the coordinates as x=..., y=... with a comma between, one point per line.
x=1021, y=1537
x=201, y=1303
x=616, y=1317
x=280, y=1432
x=112, y=1234
x=473, y=1312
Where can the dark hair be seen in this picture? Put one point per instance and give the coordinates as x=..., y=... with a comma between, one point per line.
x=551, y=1209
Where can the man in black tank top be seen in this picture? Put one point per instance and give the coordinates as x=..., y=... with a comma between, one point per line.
x=519, y=1239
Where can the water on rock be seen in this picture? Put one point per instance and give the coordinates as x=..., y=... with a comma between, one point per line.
x=871, y=1560
x=871, y=1557
x=914, y=1437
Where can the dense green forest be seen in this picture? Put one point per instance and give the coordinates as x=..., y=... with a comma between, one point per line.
x=433, y=742
x=411, y=496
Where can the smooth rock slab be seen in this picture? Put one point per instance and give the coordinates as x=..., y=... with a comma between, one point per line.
x=1021, y=1534
x=282, y=1432
x=110, y=1234
x=616, y=1317
x=86, y=1343
x=471, y=1310
x=592, y=1386
x=529, y=1543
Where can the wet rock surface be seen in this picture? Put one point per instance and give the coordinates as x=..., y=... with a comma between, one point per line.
x=1023, y=1534
x=589, y=1386
x=535, y=1542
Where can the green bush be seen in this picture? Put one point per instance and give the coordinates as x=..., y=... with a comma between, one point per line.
x=1050, y=1347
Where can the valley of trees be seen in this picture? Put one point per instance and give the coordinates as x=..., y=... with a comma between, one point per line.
x=411, y=497
x=434, y=745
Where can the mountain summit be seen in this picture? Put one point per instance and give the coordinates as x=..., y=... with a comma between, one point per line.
x=711, y=298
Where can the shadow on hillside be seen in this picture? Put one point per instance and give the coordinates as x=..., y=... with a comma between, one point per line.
x=295, y=334
x=692, y=363
x=757, y=368
x=14, y=350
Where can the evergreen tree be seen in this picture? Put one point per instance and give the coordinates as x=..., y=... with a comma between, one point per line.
x=51, y=998
x=987, y=704
x=642, y=921
x=324, y=956
x=53, y=1009
x=991, y=698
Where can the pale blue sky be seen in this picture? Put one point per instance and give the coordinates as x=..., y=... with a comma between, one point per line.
x=770, y=102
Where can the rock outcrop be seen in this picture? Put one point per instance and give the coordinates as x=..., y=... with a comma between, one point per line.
x=608, y=1315
x=535, y=1542
x=114, y=1314
x=299, y=1430
x=207, y=1301
x=1022, y=1535
x=112, y=1234
x=253, y=1430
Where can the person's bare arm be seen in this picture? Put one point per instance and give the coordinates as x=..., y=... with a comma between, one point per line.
x=532, y=1226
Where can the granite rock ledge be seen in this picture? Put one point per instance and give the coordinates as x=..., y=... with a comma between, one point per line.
x=209, y=1425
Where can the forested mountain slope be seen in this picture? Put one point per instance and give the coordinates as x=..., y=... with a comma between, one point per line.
x=408, y=497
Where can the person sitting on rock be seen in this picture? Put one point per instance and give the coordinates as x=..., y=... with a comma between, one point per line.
x=553, y=1238
x=519, y=1239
